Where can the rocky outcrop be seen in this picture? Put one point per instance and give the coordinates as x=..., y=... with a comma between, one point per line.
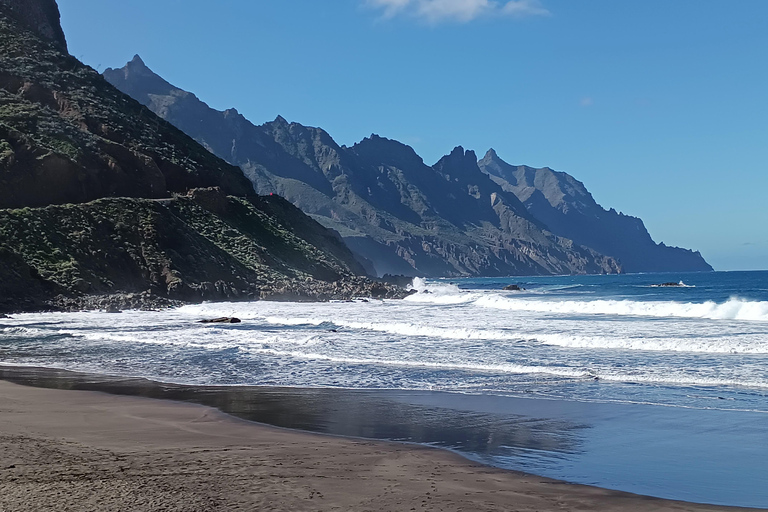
x=40, y=16
x=569, y=210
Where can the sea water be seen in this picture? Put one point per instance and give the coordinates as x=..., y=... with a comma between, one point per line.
x=619, y=348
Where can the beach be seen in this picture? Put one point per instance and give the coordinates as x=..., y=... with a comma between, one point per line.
x=84, y=450
x=604, y=381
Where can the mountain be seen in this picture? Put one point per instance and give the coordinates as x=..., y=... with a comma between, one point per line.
x=569, y=210
x=99, y=196
x=396, y=213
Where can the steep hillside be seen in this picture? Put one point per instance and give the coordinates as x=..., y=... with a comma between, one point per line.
x=40, y=16
x=402, y=216
x=205, y=246
x=189, y=226
x=68, y=136
x=569, y=210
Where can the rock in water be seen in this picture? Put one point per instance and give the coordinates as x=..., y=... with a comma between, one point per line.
x=222, y=320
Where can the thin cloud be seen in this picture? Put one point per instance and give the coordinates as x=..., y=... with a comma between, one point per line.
x=461, y=11
x=586, y=102
x=391, y=8
x=522, y=8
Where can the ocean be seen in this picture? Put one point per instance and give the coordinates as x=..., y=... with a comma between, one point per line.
x=607, y=380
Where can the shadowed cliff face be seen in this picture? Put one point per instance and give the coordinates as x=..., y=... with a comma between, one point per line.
x=569, y=210
x=393, y=210
x=41, y=16
x=68, y=136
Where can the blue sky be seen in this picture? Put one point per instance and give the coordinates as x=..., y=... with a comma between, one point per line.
x=659, y=107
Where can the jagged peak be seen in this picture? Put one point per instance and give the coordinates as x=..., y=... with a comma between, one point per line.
x=459, y=158
x=378, y=139
x=137, y=62
x=459, y=153
x=492, y=157
x=137, y=67
x=389, y=149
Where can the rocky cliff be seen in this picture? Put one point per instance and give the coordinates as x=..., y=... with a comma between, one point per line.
x=569, y=210
x=99, y=196
x=68, y=136
x=398, y=214
x=40, y=16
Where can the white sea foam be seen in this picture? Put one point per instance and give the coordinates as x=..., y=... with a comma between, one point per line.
x=733, y=309
x=449, y=338
x=744, y=344
x=516, y=369
x=679, y=380
x=19, y=330
x=734, y=344
x=439, y=365
x=438, y=293
x=404, y=329
x=439, y=288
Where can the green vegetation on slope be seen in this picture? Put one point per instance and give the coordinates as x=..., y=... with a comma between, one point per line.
x=205, y=246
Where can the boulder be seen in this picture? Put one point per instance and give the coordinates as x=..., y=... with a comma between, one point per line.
x=222, y=320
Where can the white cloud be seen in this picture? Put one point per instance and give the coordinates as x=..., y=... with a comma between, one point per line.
x=462, y=11
x=520, y=8
x=459, y=10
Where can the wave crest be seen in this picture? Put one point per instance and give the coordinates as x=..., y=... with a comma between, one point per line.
x=733, y=309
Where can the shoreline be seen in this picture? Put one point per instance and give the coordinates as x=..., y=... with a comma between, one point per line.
x=172, y=441
x=344, y=289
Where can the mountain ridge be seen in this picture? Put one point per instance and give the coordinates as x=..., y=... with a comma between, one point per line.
x=565, y=205
x=397, y=214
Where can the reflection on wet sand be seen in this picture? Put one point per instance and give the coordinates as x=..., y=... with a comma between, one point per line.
x=700, y=455
x=403, y=416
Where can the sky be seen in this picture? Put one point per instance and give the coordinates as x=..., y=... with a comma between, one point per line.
x=660, y=108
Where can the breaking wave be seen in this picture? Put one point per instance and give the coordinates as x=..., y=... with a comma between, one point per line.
x=733, y=309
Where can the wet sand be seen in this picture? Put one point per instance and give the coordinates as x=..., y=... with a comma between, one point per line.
x=85, y=450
